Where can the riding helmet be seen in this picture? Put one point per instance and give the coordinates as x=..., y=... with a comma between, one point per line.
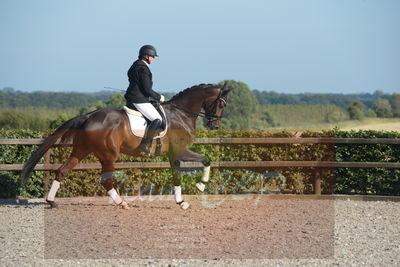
x=147, y=50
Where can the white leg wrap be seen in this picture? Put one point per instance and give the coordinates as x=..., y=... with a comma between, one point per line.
x=114, y=196
x=200, y=186
x=185, y=205
x=53, y=190
x=178, y=194
x=206, y=174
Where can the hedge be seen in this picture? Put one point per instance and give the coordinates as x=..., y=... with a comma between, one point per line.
x=378, y=181
x=223, y=181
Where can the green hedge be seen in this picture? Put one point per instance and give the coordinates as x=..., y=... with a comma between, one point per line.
x=11, y=154
x=297, y=180
x=378, y=181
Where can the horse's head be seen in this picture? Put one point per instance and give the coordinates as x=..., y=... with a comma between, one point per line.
x=214, y=106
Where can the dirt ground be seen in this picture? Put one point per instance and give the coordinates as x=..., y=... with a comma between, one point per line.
x=215, y=227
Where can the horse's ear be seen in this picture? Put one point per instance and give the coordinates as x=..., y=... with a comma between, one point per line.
x=225, y=87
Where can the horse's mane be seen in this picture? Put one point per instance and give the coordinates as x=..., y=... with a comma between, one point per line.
x=189, y=90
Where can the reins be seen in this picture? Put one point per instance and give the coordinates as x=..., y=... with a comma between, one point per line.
x=200, y=114
x=206, y=115
x=211, y=114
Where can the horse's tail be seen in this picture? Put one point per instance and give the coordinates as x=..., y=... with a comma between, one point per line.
x=65, y=132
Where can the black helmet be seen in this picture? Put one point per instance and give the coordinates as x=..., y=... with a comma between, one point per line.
x=147, y=50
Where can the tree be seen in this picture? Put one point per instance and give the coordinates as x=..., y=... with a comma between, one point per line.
x=18, y=119
x=116, y=100
x=8, y=90
x=356, y=110
x=267, y=117
x=370, y=113
x=382, y=108
x=395, y=103
x=92, y=107
x=57, y=122
x=242, y=105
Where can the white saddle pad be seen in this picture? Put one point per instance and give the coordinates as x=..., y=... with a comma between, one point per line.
x=138, y=122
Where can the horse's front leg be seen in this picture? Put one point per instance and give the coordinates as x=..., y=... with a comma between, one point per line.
x=205, y=177
x=177, y=182
x=189, y=155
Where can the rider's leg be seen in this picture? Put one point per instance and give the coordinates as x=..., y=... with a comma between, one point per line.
x=152, y=128
x=151, y=131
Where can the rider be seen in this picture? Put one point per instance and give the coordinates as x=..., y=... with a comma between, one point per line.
x=139, y=92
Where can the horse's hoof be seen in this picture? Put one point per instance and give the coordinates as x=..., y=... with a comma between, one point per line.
x=52, y=203
x=125, y=206
x=144, y=151
x=144, y=154
x=200, y=186
x=184, y=205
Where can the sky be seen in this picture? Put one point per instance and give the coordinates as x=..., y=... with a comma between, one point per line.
x=287, y=46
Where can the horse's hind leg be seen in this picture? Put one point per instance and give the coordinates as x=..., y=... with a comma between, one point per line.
x=177, y=183
x=74, y=159
x=106, y=180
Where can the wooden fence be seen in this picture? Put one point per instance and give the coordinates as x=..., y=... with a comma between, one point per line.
x=317, y=166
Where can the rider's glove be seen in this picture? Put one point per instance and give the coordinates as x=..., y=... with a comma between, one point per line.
x=162, y=98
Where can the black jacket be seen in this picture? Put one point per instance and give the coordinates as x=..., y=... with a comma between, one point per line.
x=140, y=84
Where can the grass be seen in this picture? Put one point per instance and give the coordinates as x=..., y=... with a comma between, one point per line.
x=304, y=115
x=383, y=124
x=318, y=117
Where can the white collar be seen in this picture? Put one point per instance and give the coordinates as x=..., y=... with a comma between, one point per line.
x=147, y=64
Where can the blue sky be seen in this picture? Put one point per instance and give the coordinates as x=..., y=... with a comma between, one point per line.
x=324, y=46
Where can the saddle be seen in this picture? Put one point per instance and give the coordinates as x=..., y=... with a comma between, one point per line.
x=139, y=123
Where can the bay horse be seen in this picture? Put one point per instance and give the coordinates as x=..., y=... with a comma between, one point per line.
x=107, y=132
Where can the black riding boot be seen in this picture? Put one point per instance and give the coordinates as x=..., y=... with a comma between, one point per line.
x=151, y=130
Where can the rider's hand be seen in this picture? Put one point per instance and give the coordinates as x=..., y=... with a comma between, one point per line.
x=162, y=99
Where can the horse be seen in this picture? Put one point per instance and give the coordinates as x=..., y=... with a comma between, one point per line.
x=106, y=133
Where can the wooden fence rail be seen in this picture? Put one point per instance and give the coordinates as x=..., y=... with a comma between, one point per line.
x=255, y=141
x=316, y=165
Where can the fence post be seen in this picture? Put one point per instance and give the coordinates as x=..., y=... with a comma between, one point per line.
x=47, y=174
x=317, y=181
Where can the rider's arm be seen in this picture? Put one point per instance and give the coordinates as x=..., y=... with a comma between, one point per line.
x=147, y=84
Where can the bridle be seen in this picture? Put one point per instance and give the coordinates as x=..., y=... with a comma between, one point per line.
x=211, y=116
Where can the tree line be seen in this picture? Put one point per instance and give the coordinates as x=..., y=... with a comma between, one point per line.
x=247, y=109
x=10, y=98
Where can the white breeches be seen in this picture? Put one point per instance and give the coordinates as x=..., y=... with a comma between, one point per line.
x=148, y=110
